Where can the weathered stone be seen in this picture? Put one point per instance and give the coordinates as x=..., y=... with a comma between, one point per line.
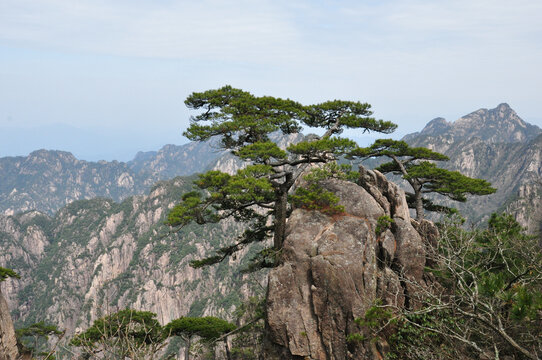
x=104, y=257
x=8, y=342
x=334, y=269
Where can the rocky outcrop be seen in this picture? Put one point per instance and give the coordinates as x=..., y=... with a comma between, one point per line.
x=527, y=207
x=334, y=268
x=8, y=343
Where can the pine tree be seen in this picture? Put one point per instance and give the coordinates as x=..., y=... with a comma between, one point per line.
x=5, y=273
x=416, y=166
x=128, y=333
x=208, y=328
x=257, y=195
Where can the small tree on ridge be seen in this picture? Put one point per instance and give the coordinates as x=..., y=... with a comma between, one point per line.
x=415, y=166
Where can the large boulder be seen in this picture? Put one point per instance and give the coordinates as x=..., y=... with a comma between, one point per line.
x=8, y=342
x=334, y=268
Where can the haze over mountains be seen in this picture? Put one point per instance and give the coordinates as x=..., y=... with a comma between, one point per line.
x=496, y=145
x=46, y=180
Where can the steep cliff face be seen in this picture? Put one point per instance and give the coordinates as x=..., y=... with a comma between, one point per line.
x=23, y=240
x=97, y=256
x=334, y=268
x=527, y=207
x=8, y=343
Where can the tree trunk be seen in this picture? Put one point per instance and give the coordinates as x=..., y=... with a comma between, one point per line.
x=228, y=354
x=187, y=349
x=419, y=204
x=416, y=186
x=281, y=208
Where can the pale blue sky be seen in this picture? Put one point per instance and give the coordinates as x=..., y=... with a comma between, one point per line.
x=104, y=79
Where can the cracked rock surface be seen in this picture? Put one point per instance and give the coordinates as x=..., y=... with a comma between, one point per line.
x=333, y=268
x=8, y=343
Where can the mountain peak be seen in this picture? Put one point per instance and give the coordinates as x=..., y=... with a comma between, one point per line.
x=436, y=126
x=499, y=125
x=43, y=155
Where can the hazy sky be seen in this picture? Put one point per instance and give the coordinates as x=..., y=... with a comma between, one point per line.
x=104, y=79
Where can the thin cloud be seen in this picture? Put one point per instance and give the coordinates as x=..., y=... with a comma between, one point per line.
x=412, y=59
x=268, y=32
x=190, y=30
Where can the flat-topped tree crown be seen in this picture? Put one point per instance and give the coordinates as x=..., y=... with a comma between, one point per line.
x=258, y=194
x=416, y=165
x=239, y=117
x=336, y=115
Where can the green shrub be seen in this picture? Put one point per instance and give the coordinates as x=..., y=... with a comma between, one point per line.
x=383, y=223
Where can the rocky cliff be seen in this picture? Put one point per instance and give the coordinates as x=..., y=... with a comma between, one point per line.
x=527, y=207
x=334, y=268
x=98, y=256
x=8, y=343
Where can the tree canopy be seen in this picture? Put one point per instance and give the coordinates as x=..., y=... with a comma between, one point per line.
x=416, y=166
x=258, y=194
x=5, y=273
x=30, y=338
x=127, y=333
x=208, y=328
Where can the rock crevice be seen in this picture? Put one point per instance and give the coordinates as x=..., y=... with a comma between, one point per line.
x=333, y=269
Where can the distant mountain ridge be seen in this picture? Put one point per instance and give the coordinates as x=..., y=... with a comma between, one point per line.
x=46, y=180
x=177, y=160
x=499, y=125
x=496, y=145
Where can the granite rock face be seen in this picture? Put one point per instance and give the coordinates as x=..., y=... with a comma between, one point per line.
x=8, y=343
x=95, y=257
x=334, y=268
